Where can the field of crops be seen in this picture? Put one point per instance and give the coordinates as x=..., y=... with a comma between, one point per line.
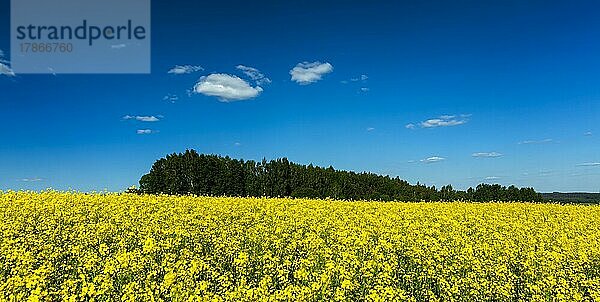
x=70, y=246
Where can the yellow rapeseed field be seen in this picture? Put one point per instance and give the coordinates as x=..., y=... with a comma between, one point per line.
x=111, y=247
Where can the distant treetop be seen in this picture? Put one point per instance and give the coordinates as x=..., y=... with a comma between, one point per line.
x=200, y=174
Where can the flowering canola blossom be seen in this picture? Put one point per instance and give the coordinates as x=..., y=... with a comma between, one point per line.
x=109, y=247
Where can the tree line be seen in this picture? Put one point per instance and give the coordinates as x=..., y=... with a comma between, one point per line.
x=214, y=175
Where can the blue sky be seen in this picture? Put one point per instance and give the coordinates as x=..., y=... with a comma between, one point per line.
x=439, y=92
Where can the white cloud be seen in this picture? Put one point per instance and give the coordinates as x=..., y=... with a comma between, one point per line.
x=433, y=159
x=307, y=73
x=34, y=179
x=546, y=173
x=370, y=129
x=146, y=131
x=589, y=133
x=185, y=69
x=534, y=142
x=359, y=80
x=258, y=77
x=589, y=165
x=492, y=178
x=141, y=118
x=171, y=98
x=226, y=87
x=487, y=154
x=442, y=121
x=445, y=121
x=5, y=66
x=363, y=77
x=7, y=71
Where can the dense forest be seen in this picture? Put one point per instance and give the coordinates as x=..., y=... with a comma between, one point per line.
x=199, y=174
x=579, y=198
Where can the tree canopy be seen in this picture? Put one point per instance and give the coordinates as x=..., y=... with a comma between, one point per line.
x=200, y=174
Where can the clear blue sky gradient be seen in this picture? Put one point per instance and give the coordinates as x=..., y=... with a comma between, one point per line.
x=521, y=71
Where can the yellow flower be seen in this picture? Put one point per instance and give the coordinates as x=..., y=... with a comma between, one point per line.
x=67, y=246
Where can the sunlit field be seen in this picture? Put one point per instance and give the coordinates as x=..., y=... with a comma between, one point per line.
x=71, y=246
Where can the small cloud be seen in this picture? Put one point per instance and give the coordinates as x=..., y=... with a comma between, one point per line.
x=492, y=178
x=146, y=131
x=589, y=165
x=363, y=77
x=34, y=179
x=445, y=121
x=226, y=87
x=441, y=121
x=237, y=144
x=171, y=98
x=6, y=70
x=487, y=154
x=546, y=173
x=5, y=66
x=589, y=133
x=258, y=77
x=307, y=73
x=535, y=142
x=185, y=69
x=190, y=92
x=142, y=118
x=370, y=129
x=118, y=46
x=433, y=159
x=580, y=174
